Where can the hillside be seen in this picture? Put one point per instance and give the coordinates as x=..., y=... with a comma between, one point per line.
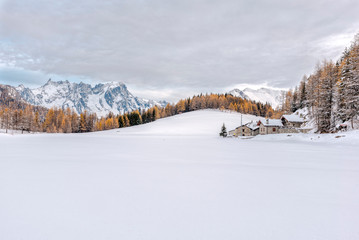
x=197, y=123
x=177, y=179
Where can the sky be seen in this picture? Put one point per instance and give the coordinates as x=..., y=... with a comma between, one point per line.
x=170, y=49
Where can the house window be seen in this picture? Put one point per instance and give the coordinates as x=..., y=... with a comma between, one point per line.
x=273, y=129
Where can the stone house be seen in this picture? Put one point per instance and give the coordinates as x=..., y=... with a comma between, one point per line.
x=269, y=126
x=248, y=129
x=232, y=132
x=292, y=121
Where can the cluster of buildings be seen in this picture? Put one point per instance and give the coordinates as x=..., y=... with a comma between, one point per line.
x=286, y=124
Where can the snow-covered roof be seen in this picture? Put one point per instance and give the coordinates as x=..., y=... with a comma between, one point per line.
x=272, y=122
x=293, y=118
x=252, y=125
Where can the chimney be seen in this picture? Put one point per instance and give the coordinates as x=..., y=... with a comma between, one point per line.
x=267, y=121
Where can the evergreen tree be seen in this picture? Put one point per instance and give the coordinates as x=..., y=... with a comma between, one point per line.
x=121, y=121
x=135, y=118
x=223, y=132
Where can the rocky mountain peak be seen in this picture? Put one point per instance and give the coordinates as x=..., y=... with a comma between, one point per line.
x=101, y=99
x=263, y=95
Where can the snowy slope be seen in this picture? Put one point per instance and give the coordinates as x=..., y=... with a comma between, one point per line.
x=101, y=99
x=263, y=95
x=9, y=92
x=198, y=123
x=152, y=182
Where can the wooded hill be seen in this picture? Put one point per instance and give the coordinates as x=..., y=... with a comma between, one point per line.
x=331, y=92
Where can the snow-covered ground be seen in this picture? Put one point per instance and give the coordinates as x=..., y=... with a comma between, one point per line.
x=176, y=179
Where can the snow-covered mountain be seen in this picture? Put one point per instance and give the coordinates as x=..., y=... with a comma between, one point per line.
x=100, y=99
x=263, y=95
x=238, y=93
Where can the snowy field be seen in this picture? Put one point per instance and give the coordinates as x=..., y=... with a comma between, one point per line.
x=176, y=179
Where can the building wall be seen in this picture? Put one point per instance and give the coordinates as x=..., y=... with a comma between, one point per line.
x=232, y=133
x=262, y=130
x=243, y=131
x=288, y=130
x=272, y=130
x=306, y=130
x=296, y=124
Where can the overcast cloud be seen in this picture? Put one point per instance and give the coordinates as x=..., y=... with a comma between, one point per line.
x=174, y=48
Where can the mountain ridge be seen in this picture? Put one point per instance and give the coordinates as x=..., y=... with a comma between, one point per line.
x=263, y=95
x=114, y=97
x=101, y=98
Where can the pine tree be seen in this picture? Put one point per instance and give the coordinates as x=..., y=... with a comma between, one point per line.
x=121, y=121
x=223, y=132
x=135, y=118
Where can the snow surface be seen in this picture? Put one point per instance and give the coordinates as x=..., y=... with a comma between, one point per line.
x=198, y=123
x=177, y=179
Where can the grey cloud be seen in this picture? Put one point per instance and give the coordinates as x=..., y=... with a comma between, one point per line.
x=20, y=76
x=163, y=44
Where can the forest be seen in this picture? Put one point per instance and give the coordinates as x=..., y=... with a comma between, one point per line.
x=330, y=93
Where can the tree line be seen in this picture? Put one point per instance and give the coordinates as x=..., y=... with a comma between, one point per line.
x=17, y=115
x=330, y=93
